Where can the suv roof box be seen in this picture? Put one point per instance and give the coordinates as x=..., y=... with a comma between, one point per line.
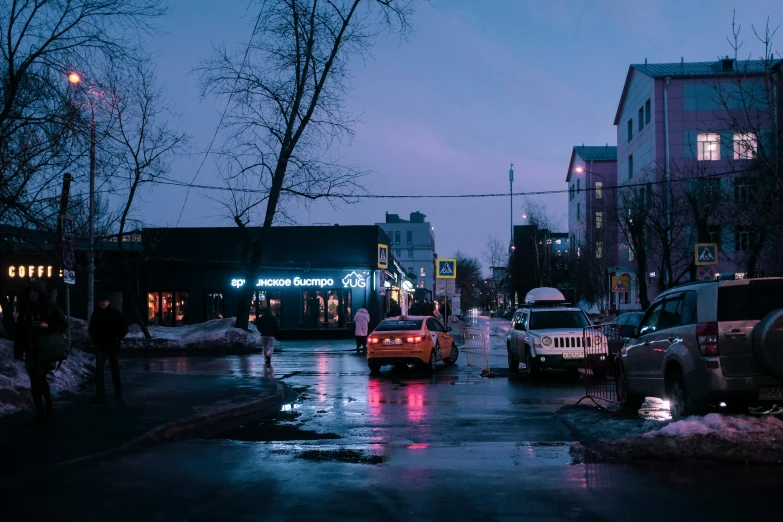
x=545, y=295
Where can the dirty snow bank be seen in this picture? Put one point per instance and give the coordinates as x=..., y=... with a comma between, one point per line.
x=15, y=384
x=618, y=436
x=218, y=334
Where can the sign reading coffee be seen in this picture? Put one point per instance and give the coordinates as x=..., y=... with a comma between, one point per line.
x=22, y=271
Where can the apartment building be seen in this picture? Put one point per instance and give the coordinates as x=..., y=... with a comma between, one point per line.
x=413, y=242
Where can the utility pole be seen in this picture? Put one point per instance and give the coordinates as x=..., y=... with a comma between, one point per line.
x=511, y=200
x=91, y=252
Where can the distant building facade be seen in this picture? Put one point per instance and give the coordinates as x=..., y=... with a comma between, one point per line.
x=413, y=243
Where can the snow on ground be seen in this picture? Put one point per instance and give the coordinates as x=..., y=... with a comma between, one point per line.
x=218, y=334
x=70, y=378
x=618, y=436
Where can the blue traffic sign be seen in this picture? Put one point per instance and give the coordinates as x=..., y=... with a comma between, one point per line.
x=706, y=254
x=447, y=268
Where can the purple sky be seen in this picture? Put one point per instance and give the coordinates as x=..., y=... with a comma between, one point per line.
x=479, y=86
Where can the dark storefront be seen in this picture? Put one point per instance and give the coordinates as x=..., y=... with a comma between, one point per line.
x=314, y=278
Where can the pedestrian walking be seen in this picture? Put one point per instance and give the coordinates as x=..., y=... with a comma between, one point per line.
x=415, y=308
x=107, y=329
x=38, y=323
x=362, y=322
x=267, y=326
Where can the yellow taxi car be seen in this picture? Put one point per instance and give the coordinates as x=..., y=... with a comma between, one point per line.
x=410, y=340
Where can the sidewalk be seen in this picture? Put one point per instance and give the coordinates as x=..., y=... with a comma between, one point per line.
x=158, y=407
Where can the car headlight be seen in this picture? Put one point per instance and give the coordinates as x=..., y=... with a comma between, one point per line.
x=546, y=341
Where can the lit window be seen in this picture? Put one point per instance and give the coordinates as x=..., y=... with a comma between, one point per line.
x=422, y=273
x=599, y=220
x=599, y=189
x=708, y=146
x=421, y=284
x=557, y=241
x=746, y=145
x=599, y=249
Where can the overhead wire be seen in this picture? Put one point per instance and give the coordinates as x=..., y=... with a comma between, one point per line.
x=172, y=182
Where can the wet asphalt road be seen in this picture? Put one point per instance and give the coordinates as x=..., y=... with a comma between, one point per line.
x=399, y=446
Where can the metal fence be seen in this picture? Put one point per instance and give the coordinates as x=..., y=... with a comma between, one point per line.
x=601, y=345
x=475, y=348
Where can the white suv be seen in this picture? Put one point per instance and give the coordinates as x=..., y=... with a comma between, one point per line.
x=547, y=337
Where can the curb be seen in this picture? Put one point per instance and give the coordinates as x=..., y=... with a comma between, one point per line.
x=171, y=431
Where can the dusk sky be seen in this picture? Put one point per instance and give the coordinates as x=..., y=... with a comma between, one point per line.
x=481, y=84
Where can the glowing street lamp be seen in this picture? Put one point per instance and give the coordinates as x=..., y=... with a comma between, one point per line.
x=74, y=78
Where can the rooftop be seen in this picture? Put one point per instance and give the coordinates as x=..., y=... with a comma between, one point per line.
x=591, y=153
x=701, y=69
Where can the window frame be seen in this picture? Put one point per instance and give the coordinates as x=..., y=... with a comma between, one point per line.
x=630, y=166
x=641, y=119
x=599, y=190
x=741, y=141
x=703, y=139
x=647, y=110
x=599, y=220
x=630, y=130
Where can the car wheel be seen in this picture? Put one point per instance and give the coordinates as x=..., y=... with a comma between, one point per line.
x=680, y=403
x=374, y=368
x=431, y=366
x=531, y=366
x=627, y=400
x=454, y=355
x=513, y=364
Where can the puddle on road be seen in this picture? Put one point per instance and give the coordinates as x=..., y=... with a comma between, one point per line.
x=342, y=455
x=281, y=426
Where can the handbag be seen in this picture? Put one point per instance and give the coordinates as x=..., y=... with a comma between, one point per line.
x=52, y=348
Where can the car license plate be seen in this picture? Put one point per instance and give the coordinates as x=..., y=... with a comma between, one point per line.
x=771, y=393
x=573, y=355
x=392, y=342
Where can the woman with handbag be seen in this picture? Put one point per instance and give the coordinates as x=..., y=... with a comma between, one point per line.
x=39, y=341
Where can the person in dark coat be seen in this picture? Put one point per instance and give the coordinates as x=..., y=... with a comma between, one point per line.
x=37, y=317
x=107, y=329
x=267, y=326
x=415, y=308
x=394, y=309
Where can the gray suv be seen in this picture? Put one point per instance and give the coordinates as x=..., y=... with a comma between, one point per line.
x=704, y=343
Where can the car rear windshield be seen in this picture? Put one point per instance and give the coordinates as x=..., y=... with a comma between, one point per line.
x=564, y=319
x=749, y=302
x=391, y=326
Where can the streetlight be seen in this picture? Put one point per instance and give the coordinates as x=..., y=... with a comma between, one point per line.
x=76, y=79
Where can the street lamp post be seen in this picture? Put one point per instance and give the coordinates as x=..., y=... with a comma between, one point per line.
x=76, y=79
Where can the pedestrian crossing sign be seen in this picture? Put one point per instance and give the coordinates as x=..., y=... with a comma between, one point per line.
x=447, y=268
x=383, y=256
x=620, y=283
x=706, y=254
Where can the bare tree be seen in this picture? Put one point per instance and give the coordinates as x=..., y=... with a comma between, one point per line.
x=495, y=252
x=141, y=144
x=285, y=96
x=42, y=40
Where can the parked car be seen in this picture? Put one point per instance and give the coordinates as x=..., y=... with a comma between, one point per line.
x=702, y=344
x=627, y=323
x=410, y=340
x=547, y=334
x=508, y=313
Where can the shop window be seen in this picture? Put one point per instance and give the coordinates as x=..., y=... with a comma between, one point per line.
x=326, y=308
x=181, y=308
x=167, y=308
x=214, y=306
x=153, y=308
x=347, y=308
x=263, y=299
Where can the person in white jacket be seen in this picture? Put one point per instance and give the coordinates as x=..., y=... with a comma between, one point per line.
x=362, y=321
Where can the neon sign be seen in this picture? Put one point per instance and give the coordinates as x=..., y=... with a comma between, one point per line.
x=353, y=279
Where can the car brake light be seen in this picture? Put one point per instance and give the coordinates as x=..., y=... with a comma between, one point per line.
x=414, y=340
x=707, y=339
x=373, y=340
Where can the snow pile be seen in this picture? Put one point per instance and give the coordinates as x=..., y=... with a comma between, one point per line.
x=15, y=384
x=617, y=436
x=215, y=335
